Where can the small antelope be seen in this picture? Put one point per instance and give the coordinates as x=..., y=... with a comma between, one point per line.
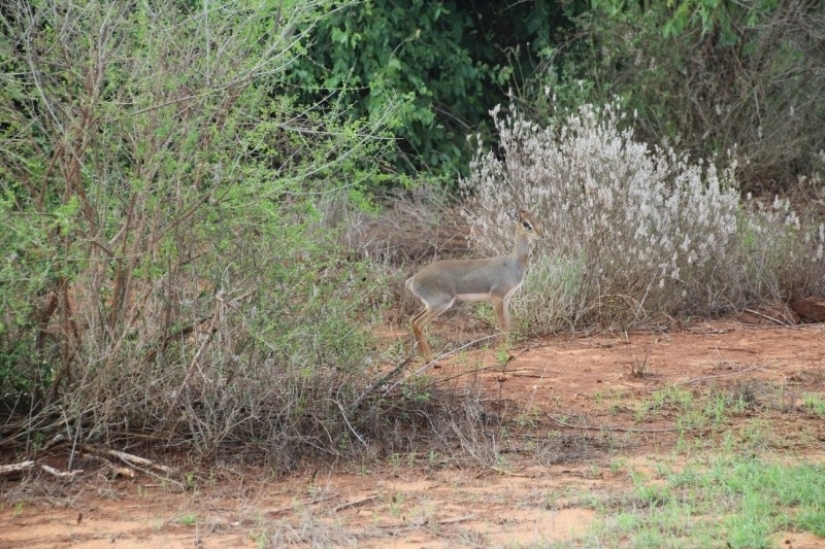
x=494, y=279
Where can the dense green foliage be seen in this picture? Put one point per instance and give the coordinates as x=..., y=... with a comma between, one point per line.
x=442, y=64
x=708, y=77
x=164, y=248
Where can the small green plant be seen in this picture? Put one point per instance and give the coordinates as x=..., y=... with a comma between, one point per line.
x=617, y=465
x=418, y=389
x=395, y=461
x=423, y=514
x=188, y=520
x=814, y=403
x=503, y=354
x=18, y=508
x=260, y=539
x=396, y=504
x=529, y=417
x=757, y=434
x=668, y=399
x=190, y=482
x=501, y=461
x=672, y=397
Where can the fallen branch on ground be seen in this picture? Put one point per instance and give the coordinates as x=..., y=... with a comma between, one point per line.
x=620, y=429
x=694, y=380
x=355, y=503
x=130, y=459
x=457, y=519
x=16, y=467
x=61, y=474
x=30, y=464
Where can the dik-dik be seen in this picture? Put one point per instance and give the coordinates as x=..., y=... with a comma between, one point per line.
x=494, y=279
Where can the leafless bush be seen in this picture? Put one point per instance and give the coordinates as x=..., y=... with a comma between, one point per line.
x=416, y=227
x=632, y=233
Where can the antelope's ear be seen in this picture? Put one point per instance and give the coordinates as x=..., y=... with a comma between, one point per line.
x=523, y=214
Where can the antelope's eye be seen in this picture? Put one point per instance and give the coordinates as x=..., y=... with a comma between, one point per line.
x=526, y=225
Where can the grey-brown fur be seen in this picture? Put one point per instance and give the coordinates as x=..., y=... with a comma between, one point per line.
x=494, y=279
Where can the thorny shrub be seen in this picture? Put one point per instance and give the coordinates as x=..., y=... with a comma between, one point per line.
x=167, y=277
x=632, y=232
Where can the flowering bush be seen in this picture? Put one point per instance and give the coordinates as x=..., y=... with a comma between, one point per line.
x=630, y=231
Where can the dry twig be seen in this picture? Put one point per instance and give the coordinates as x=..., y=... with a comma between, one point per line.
x=355, y=503
x=16, y=467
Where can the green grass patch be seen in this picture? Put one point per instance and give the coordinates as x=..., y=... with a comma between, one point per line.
x=731, y=501
x=710, y=409
x=815, y=403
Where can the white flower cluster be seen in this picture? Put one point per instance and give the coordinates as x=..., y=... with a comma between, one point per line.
x=647, y=224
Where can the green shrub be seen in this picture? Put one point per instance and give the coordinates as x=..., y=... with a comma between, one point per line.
x=441, y=64
x=168, y=270
x=706, y=77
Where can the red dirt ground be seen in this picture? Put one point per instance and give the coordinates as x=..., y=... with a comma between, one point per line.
x=419, y=501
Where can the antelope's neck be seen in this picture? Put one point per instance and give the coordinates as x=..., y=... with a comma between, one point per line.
x=521, y=250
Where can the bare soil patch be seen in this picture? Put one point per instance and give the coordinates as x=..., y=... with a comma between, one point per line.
x=585, y=391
